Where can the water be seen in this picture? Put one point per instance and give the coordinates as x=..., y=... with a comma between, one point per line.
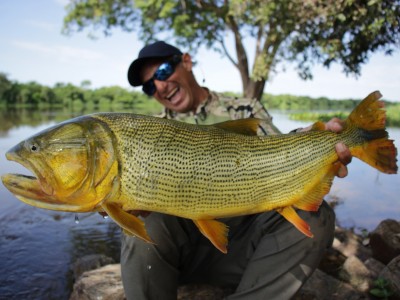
x=38, y=246
x=365, y=197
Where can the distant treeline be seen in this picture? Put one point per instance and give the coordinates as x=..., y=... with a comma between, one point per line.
x=304, y=103
x=324, y=109
x=67, y=95
x=64, y=96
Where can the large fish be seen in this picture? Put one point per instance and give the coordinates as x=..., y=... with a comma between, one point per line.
x=115, y=162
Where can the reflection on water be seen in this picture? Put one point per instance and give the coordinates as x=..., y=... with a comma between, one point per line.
x=16, y=117
x=37, y=246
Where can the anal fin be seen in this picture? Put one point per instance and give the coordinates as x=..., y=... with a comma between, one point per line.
x=216, y=232
x=291, y=215
x=131, y=224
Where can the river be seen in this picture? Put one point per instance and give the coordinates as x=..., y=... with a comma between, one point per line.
x=38, y=246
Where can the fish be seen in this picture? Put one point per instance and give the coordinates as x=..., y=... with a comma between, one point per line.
x=120, y=162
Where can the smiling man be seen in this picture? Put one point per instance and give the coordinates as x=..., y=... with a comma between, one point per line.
x=165, y=73
x=268, y=258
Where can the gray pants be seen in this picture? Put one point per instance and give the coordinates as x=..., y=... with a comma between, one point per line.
x=267, y=257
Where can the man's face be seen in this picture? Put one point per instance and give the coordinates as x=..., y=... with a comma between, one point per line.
x=175, y=93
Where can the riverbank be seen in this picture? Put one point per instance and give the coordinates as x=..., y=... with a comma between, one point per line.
x=355, y=267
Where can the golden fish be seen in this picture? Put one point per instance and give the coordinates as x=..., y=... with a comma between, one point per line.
x=116, y=162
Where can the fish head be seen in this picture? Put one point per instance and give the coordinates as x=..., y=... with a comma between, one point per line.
x=74, y=166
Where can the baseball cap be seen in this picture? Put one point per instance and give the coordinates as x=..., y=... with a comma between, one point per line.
x=156, y=50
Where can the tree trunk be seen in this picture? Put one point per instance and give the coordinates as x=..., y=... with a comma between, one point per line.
x=254, y=89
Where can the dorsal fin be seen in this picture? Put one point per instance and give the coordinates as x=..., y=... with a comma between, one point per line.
x=318, y=126
x=242, y=126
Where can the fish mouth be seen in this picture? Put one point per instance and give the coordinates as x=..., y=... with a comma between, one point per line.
x=24, y=187
x=32, y=190
x=23, y=183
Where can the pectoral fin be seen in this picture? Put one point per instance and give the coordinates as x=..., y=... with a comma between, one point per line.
x=290, y=214
x=129, y=223
x=215, y=231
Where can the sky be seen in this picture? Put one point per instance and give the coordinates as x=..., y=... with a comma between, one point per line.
x=32, y=48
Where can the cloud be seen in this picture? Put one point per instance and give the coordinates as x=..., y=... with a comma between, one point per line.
x=47, y=26
x=62, y=52
x=62, y=2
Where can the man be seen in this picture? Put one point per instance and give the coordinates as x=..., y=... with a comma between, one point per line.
x=268, y=258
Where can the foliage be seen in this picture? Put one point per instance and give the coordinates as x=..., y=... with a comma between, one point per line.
x=80, y=99
x=337, y=110
x=318, y=116
x=35, y=95
x=5, y=85
x=381, y=289
x=302, y=103
x=393, y=114
x=304, y=32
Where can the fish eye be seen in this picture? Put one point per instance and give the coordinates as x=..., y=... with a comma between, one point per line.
x=31, y=146
x=34, y=148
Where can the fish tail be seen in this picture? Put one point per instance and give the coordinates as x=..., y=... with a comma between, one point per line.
x=377, y=150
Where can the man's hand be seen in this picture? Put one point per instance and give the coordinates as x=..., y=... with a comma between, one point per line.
x=336, y=125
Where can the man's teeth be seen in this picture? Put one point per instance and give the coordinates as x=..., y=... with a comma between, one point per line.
x=173, y=92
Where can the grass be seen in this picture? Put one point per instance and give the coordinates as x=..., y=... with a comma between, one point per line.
x=392, y=116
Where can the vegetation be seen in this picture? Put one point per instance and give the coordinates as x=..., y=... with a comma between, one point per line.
x=304, y=32
x=23, y=103
x=35, y=95
x=382, y=289
x=337, y=110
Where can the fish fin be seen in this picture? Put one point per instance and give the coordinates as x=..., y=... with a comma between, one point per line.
x=316, y=190
x=247, y=126
x=215, y=231
x=379, y=154
x=377, y=151
x=369, y=114
x=290, y=214
x=130, y=224
x=318, y=126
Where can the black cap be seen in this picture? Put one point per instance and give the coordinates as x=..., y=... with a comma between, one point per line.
x=156, y=50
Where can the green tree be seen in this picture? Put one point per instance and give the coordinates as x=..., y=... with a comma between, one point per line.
x=304, y=32
x=69, y=94
x=5, y=87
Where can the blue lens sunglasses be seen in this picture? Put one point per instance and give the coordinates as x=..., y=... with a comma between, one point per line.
x=164, y=71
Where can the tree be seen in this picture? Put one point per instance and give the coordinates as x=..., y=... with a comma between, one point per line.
x=301, y=31
x=5, y=86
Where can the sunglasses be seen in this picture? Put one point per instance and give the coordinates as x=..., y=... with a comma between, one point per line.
x=164, y=71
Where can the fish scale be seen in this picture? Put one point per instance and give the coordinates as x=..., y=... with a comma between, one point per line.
x=117, y=163
x=164, y=171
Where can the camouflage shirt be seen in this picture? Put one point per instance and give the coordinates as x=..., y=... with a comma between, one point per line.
x=218, y=107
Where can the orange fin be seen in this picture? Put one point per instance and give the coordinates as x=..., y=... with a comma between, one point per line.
x=131, y=224
x=318, y=126
x=369, y=114
x=242, y=126
x=216, y=232
x=379, y=154
x=377, y=150
x=290, y=214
